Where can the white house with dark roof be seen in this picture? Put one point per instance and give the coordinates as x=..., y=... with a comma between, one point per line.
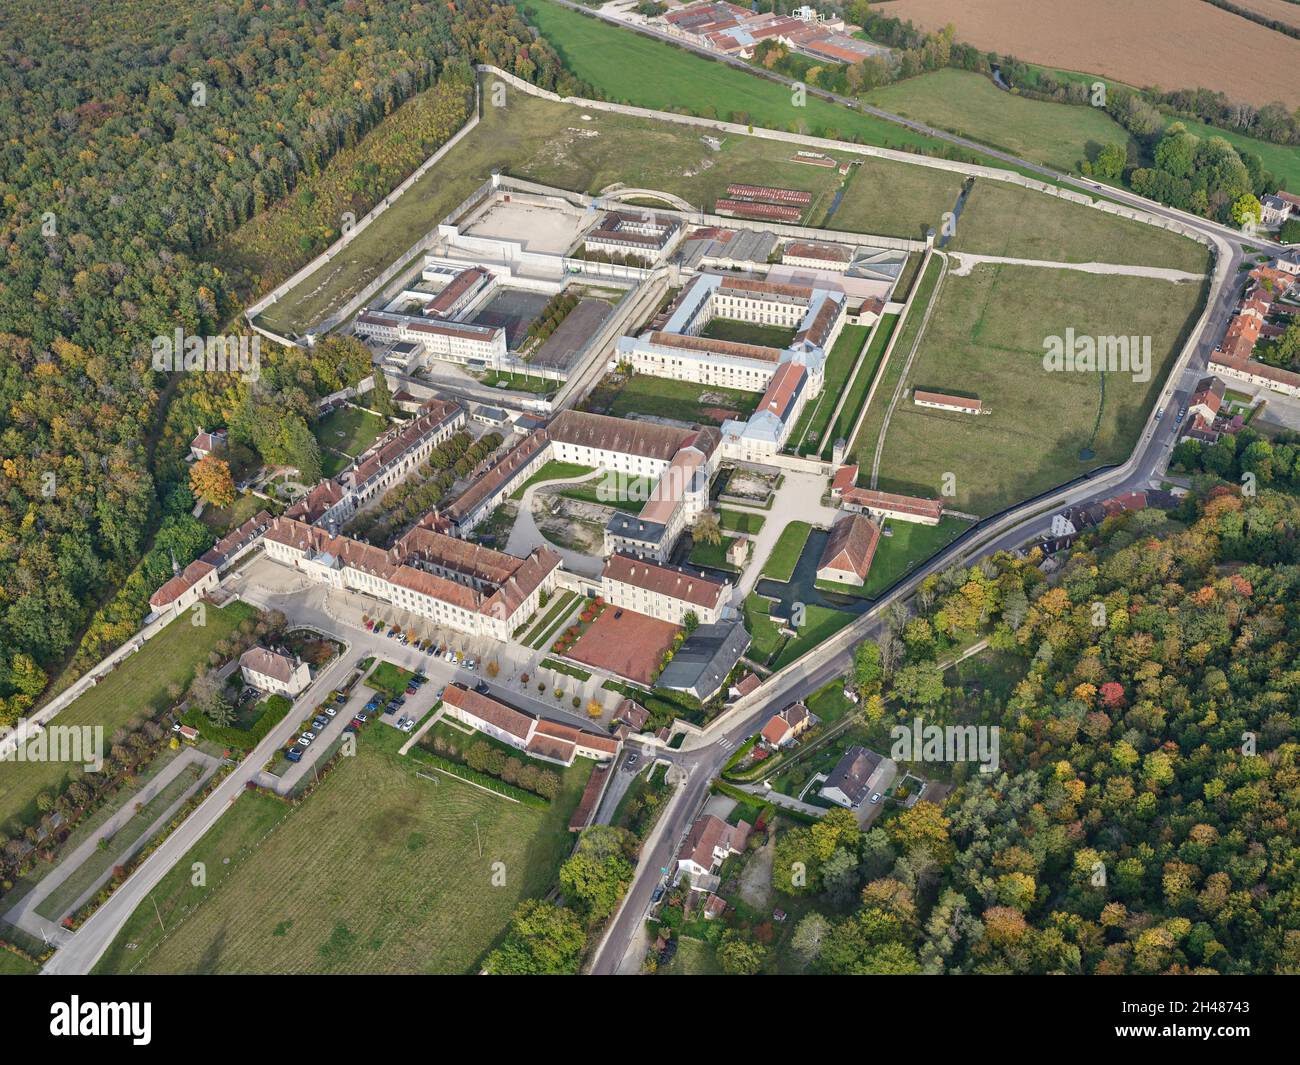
x=273, y=672
x=662, y=592
x=858, y=774
x=710, y=842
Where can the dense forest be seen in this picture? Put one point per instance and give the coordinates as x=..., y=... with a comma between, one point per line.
x=1144, y=816
x=135, y=136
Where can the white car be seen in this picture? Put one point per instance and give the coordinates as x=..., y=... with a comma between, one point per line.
x=407, y=725
x=305, y=739
x=875, y=798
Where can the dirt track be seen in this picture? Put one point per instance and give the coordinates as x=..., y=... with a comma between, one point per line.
x=1173, y=44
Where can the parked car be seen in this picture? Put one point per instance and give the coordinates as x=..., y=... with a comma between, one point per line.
x=294, y=754
x=481, y=687
x=359, y=720
x=617, y=614
x=632, y=759
x=319, y=723
x=306, y=738
x=406, y=725
x=429, y=650
x=658, y=894
x=875, y=798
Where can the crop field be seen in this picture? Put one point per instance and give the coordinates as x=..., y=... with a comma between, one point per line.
x=964, y=102
x=1004, y=219
x=381, y=871
x=1169, y=43
x=136, y=690
x=986, y=339
x=616, y=60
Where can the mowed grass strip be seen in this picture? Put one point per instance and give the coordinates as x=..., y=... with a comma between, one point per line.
x=839, y=364
x=380, y=871
x=786, y=551
x=1004, y=219
x=986, y=339
x=863, y=446
x=741, y=521
x=557, y=611
x=133, y=692
x=820, y=624
x=861, y=385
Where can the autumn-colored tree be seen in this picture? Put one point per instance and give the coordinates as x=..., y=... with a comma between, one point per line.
x=210, y=481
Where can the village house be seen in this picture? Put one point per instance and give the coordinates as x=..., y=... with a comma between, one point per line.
x=787, y=725
x=274, y=672
x=709, y=844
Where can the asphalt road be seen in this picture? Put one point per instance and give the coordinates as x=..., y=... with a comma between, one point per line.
x=80, y=951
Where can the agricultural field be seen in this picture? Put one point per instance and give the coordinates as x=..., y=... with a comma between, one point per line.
x=986, y=339
x=381, y=871
x=1004, y=219
x=895, y=199
x=615, y=60
x=1169, y=43
x=1057, y=135
x=136, y=690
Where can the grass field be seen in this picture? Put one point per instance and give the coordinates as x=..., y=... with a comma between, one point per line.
x=712, y=556
x=615, y=60
x=765, y=635
x=820, y=624
x=679, y=400
x=741, y=521
x=860, y=386
x=1003, y=219
x=910, y=543
x=63, y=897
x=959, y=101
x=390, y=678
x=780, y=564
x=12, y=965
x=554, y=471
x=774, y=336
x=862, y=446
x=986, y=338
x=839, y=364
x=895, y=200
x=346, y=431
x=613, y=490
x=381, y=871
x=136, y=690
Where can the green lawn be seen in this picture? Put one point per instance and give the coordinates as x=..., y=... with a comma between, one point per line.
x=388, y=868
x=683, y=401
x=64, y=897
x=349, y=429
x=861, y=385
x=520, y=382
x=863, y=445
x=987, y=338
x=554, y=471
x=12, y=965
x=839, y=364
x=741, y=521
x=773, y=336
x=222, y=520
x=766, y=637
x=712, y=556
x=1004, y=219
x=910, y=543
x=615, y=60
x=785, y=553
x=895, y=200
x=614, y=490
x=820, y=624
x=390, y=678
x=829, y=703
x=959, y=101
x=136, y=690
x=555, y=613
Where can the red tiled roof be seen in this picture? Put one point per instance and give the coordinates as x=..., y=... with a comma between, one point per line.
x=679, y=584
x=178, y=585
x=870, y=499
x=921, y=396
x=506, y=718
x=851, y=545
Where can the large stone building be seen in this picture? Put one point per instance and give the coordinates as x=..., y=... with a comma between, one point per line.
x=661, y=591
x=552, y=741
x=471, y=589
